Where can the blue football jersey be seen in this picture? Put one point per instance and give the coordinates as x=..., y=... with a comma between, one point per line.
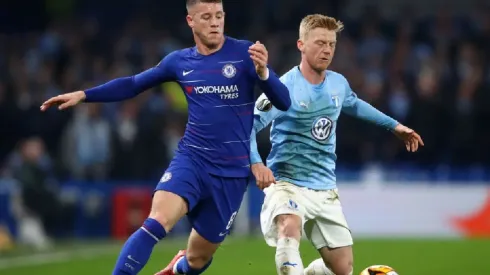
x=304, y=137
x=219, y=89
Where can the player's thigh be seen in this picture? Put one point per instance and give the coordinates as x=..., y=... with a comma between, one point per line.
x=330, y=234
x=167, y=208
x=325, y=233
x=177, y=193
x=329, y=227
x=199, y=250
x=284, y=209
x=214, y=215
x=334, y=244
x=339, y=259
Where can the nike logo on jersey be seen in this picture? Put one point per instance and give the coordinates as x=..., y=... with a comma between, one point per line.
x=184, y=73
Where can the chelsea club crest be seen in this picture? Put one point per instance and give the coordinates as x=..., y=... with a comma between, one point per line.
x=166, y=177
x=229, y=70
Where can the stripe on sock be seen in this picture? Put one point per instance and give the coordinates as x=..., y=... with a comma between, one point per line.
x=149, y=233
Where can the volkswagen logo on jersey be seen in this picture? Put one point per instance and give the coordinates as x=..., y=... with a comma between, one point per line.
x=263, y=105
x=321, y=129
x=229, y=70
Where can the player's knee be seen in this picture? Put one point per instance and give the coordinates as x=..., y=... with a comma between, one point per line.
x=198, y=261
x=289, y=226
x=167, y=208
x=343, y=267
x=163, y=220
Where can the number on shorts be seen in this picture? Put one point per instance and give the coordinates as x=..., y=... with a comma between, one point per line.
x=232, y=219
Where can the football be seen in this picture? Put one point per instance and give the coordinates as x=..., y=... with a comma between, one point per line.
x=379, y=270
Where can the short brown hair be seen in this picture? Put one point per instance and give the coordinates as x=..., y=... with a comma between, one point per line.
x=190, y=3
x=314, y=21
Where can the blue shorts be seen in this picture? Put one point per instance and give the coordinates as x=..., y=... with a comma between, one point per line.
x=213, y=201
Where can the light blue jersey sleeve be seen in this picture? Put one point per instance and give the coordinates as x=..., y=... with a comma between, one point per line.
x=359, y=108
x=264, y=114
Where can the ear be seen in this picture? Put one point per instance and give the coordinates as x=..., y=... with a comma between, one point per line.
x=301, y=45
x=189, y=20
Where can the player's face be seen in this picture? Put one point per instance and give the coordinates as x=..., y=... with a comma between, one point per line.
x=318, y=48
x=207, y=21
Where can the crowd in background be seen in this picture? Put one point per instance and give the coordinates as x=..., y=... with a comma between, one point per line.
x=431, y=73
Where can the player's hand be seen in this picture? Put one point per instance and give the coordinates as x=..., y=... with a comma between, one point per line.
x=64, y=101
x=263, y=175
x=411, y=139
x=260, y=57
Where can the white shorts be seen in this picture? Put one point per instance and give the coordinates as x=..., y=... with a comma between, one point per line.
x=324, y=222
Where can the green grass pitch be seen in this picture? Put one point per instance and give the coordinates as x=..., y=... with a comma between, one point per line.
x=253, y=256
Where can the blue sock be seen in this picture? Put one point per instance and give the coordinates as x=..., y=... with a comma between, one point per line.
x=183, y=267
x=137, y=249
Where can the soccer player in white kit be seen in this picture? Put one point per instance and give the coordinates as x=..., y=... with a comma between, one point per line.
x=304, y=198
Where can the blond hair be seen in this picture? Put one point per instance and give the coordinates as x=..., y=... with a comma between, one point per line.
x=313, y=21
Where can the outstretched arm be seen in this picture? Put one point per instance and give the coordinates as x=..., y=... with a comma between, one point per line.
x=118, y=89
x=128, y=87
x=124, y=88
x=357, y=107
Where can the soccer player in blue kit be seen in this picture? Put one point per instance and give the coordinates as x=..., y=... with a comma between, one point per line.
x=304, y=198
x=210, y=172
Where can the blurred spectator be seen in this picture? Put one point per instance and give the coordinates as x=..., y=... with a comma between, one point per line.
x=42, y=212
x=87, y=146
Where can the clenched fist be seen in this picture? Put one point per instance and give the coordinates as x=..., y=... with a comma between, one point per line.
x=260, y=57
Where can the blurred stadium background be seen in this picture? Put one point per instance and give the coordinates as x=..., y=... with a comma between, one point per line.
x=74, y=184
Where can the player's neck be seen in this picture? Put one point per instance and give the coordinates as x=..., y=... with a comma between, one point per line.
x=312, y=76
x=205, y=50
